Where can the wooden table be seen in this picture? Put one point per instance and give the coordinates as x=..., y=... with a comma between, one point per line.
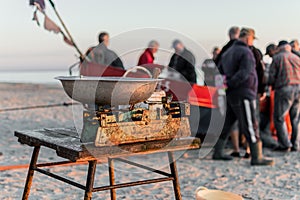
x=66, y=143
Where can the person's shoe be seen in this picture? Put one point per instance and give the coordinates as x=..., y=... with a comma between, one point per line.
x=294, y=149
x=235, y=154
x=218, y=151
x=222, y=157
x=281, y=149
x=247, y=155
x=262, y=162
x=257, y=156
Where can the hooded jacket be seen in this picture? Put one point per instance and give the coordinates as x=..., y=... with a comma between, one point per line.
x=238, y=65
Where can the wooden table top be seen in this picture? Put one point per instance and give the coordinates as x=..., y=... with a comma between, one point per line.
x=66, y=142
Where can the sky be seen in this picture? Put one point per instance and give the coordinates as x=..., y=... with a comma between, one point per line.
x=200, y=24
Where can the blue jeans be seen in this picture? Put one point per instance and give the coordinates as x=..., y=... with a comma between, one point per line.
x=287, y=101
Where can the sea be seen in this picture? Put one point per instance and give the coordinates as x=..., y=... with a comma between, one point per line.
x=33, y=76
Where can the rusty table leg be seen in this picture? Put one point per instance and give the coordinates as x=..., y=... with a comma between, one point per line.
x=90, y=180
x=174, y=173
x=29, y=178
x=111, y=169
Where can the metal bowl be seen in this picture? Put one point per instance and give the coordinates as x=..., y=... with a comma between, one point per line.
x=108, y=90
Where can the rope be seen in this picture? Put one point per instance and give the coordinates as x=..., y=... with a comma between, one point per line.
x=66, y=104
x=50, y=165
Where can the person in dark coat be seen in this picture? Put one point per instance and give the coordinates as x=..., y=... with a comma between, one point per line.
x=238, y=66
x=233, y=34
x=183, y=61
x=260, y=69
x=265, y=105
x=148, y=55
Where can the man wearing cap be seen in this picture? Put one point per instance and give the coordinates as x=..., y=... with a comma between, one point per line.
x=183, y=61
x=261, y=86
x=285, y=80
x=238, y=65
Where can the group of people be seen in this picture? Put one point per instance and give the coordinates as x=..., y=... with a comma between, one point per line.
x=248, y=81
x=182, y=61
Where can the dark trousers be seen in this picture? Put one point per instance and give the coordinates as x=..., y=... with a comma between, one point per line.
x=287, y=101
x=243, y=110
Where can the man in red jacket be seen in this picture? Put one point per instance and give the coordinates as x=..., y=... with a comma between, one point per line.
x=148, y=56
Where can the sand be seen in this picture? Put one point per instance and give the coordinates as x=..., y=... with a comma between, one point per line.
x=281, y=181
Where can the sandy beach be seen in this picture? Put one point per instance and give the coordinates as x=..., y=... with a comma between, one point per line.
x=279, y=182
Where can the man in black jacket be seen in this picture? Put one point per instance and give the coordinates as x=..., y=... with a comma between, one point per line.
x=260, y=69
x=238, y=65
x=233, y=34
x=183, y=61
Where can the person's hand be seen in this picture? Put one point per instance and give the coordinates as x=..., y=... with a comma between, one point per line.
x=262, y=97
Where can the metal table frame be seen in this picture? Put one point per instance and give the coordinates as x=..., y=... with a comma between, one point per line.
x=92, y=164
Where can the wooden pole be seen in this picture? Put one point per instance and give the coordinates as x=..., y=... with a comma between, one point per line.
x=66, y=29
x=90, y=180
x=30, y=174
x=111, y=171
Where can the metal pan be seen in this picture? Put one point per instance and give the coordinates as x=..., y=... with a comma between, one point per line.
x=108, y=90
